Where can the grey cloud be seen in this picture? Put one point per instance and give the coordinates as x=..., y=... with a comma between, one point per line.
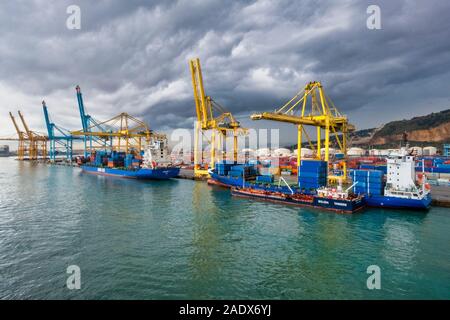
x=132, y=55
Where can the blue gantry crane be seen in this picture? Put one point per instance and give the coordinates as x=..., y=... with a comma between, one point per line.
x=59, y=138
x=88, y=123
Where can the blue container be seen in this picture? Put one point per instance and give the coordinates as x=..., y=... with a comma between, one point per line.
x=312, y=180
x=382, y=169
x=265, y=179
x=305, y=185
x=312, y=164
x=254, y=162
x=312, y=175
x=367, y=166
x=233, y=173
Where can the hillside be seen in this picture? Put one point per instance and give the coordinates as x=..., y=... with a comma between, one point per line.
x=432, y=129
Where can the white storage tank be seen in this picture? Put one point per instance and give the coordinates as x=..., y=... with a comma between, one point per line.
x=263, y=152
x=281, y=152
x=304, y=152
x=355, y=152
x=429, y=151
x=330, y=151
x=248, y=151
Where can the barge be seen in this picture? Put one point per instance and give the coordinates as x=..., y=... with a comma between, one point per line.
x=326, y=198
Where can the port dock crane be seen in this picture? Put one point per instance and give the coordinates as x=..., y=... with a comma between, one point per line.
x=312, y=107
x=219, y=126
x=59, y=138
x=123, y=132
x=29, y=141
x=91, y=141
x=21, y=148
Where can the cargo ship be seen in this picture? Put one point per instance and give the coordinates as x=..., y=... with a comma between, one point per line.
x=401, y=191
x=231, y=174
x=326, y=198
x=161, y=173
x=153, y=164
x=311, y=191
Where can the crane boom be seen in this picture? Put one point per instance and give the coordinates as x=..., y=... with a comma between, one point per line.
x=19, y=133
x=48, y=124
x=206, y=121
x=27, y=129
x=202, y=102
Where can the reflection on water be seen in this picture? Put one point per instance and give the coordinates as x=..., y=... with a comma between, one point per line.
x=182, y=239
x=400, y=246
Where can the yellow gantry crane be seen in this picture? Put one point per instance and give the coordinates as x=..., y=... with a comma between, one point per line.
x=312, y=107
x=21, y=139
x=218, y=126
x=124, y=133
x=29, y=141
x=36, y=141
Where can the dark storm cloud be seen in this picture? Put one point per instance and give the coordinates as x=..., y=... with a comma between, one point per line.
x=132, y=56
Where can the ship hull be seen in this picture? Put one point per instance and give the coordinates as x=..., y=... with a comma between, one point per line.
x=399, y=203
x=340, y=206
x=225, y=181
x=140, y=174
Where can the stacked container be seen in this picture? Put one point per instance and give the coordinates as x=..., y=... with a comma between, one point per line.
x=368, y=181
x=243, y=170
x=223, y=168
x=374, y=167
x=128, y=160
x=265, y=179
x=312, y=174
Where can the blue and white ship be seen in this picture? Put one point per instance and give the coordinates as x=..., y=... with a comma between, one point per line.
x=155, y=166
x=401, y=190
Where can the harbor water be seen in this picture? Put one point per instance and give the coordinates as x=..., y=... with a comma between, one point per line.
x=182, y=239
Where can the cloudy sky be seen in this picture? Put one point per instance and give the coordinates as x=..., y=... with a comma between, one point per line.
x=132, y=56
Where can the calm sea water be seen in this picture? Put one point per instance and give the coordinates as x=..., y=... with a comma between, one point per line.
x=182, y=239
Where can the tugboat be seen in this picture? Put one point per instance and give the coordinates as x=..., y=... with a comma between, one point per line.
x=401, y=190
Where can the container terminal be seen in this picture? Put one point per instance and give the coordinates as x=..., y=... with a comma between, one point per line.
x=327, y=178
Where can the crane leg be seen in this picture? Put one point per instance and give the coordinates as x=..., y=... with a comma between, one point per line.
x=319, y=143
